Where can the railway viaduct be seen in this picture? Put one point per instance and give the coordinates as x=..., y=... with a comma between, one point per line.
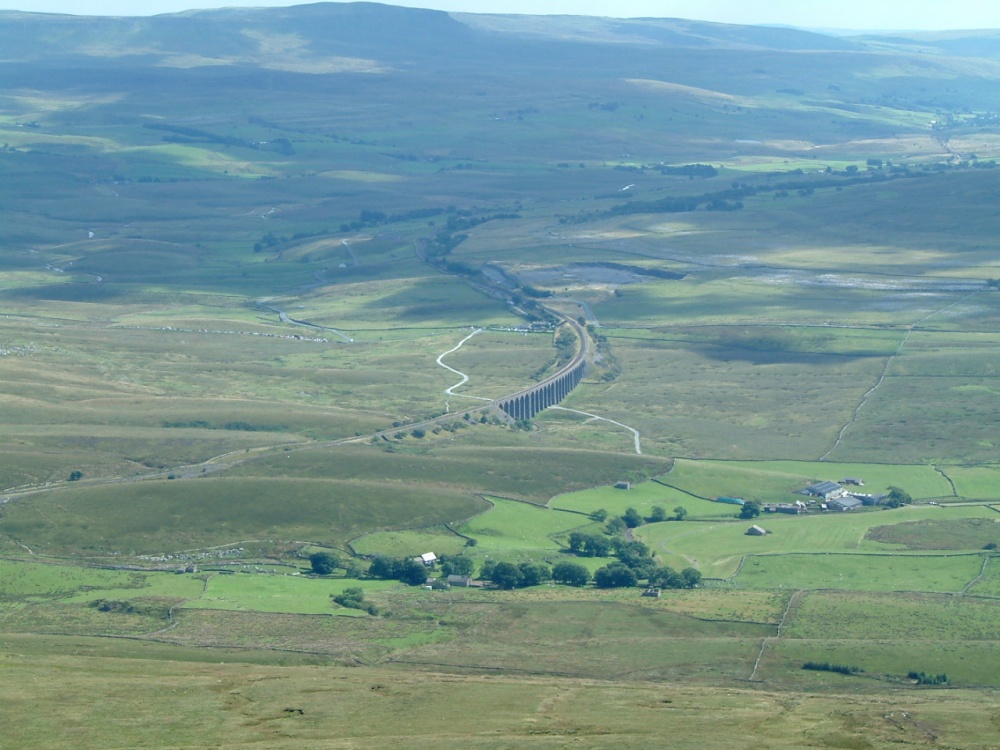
x=527, y=403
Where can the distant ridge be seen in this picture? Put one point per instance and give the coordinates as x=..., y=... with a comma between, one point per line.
x=376, y=37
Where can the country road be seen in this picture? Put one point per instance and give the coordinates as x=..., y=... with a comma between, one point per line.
x=450, y=390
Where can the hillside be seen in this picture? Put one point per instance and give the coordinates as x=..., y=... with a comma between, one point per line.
x=291, y=297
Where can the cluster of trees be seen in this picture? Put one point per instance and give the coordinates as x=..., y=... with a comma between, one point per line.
x=354, y=598
x=825, y=666
x=589, y=545
x=324, y=563
x=620, y=574
x=632, y=518
x=634, y=563
x=512, y=576
x=923, y=678
x=368, y=218
x=179, y=134
x=507, y=575
x=405, y=569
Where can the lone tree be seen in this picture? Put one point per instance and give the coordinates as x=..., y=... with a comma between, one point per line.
x=751, y=509
x=691, y=576
x=680, y=513
x=75, y=476
x=633, y=518
x=322, y=563
x=658, y=514
x=897, y=497
x=412, y=572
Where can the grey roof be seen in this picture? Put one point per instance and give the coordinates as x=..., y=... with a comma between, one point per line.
x=823, y=488
x=846, y=502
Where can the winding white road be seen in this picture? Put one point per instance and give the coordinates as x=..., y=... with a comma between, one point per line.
x=450, y=391
x=635, y=433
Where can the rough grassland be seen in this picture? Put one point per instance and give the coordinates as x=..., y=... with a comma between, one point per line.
x=522, y=469
x=117, y=703
x=157, y=517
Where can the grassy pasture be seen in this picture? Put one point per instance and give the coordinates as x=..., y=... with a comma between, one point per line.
x=519, y=530
x=860, y=572
x=989, y=584
x=642, y=497
x=409, y=543
x=716, y=547
x=279, y=593
x=21, y=580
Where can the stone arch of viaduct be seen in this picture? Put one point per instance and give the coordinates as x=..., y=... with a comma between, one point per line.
x=526, y=404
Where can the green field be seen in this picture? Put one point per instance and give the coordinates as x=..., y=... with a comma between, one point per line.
x=277, y=593
x=512, y=528
x=717, y=547
x=860, y=572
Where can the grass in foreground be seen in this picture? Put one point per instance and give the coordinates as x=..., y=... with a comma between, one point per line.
x=99, y=702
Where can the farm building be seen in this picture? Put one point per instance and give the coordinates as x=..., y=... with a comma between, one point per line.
x=824, y=490
x=428, y=558
x=756, y=530
x=623, y=485
x=651, y=592
x=844, y=503
x=463, y=581
x=793, y=508
x=853, y=481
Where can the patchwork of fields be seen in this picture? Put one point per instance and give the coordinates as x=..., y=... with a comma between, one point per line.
x=258, y=288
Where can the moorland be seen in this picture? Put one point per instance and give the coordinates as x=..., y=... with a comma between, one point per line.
x=266, y=273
